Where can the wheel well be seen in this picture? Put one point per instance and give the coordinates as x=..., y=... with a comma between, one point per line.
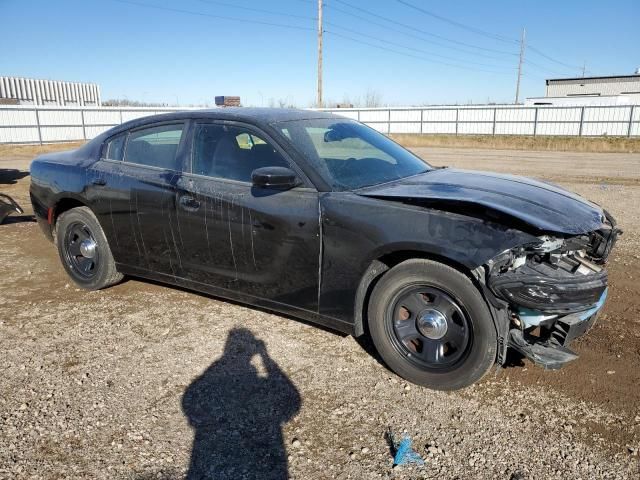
x=64, y=205
x=377, y=269
x=394, y=258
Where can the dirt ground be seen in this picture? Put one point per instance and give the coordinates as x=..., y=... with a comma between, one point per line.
x=142, y=380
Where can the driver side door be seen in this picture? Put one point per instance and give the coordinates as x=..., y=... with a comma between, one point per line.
x=241, y=239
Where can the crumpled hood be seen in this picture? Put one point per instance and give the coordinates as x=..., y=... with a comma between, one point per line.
x=544, y=206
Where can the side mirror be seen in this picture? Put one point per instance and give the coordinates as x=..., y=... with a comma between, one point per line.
x=338, y=132
x=275, y=177
x=333, y=135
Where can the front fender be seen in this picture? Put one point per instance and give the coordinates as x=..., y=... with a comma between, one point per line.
x=359, y=230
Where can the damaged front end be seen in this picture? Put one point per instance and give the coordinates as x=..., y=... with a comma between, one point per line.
x=551, y=291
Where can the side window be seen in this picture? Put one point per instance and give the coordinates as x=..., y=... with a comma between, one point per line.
x=155, y=146
x=230, y=152
x=114, y=150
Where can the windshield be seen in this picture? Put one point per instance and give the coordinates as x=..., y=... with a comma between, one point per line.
x=350, y=155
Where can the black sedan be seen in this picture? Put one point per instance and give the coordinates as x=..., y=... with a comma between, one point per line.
x=325, y=219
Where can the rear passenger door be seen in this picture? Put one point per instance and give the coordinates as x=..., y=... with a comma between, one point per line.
x=260, y=242
x=140, y=194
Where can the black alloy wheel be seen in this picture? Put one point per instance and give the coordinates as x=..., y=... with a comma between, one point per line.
x=81, y=250
x=84, y=250
x=429, y=327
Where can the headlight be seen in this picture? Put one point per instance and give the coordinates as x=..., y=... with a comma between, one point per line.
x=550, y=295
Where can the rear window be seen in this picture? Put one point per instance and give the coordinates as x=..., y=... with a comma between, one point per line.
x=155, y=146
x=115, y=147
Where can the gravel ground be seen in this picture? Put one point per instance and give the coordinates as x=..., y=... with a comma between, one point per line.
x=145, y=381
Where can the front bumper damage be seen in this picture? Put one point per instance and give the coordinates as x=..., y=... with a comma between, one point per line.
x=551, y=292
x=550, y=350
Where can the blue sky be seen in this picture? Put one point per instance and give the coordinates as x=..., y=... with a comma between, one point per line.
x=143, y=53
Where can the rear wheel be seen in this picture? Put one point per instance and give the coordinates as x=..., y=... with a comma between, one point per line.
x=431, y=325
x=84, y=251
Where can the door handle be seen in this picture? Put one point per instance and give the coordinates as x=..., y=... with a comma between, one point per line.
x=100, y=182
x=189, y=203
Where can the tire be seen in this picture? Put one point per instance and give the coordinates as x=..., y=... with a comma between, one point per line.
x=431, y=325
x=84, y=251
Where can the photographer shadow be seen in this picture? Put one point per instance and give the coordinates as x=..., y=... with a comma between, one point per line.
x=238, y=411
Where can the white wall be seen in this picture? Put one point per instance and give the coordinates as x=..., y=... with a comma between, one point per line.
x=588, y=120
x=29, y=124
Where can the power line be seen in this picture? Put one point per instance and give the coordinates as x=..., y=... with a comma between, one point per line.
x=475, y=30
x=245, y=20
x=305, y=17
x=355, y=32
x=210, y=15
x=410, y=27
x=419, y=36
x=543, y=68
x=340, y=27
x=542, y=54
x=259, y=10
x=531, y=75
x=336, y=34
x=380, y=47
x=485, y=33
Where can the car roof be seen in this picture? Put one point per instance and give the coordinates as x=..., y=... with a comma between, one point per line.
x=256, y=116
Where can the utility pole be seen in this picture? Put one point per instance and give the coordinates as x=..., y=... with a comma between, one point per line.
x=520, y=65
x=584, y=68
x=319, y=100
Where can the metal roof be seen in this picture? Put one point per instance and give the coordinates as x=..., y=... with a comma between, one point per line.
x=49, y=92
x=609, y=77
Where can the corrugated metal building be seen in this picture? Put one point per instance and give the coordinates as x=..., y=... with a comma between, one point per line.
x=593, y=86
x=30, y=91
x=584, y=100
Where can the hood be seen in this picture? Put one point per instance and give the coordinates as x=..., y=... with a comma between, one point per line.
x=542, y=205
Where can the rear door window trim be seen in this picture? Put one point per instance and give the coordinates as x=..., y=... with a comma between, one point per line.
x=178, y=163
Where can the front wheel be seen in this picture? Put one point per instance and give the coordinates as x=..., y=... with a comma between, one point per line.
x=84, y=251
x=431, y=325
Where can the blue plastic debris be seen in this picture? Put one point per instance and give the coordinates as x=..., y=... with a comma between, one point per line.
x=405, y=455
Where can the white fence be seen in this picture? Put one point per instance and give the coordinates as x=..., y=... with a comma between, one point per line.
x=29, y=124
x=591, y=121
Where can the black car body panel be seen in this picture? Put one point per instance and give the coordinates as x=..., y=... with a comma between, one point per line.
x=313, y=252
x=541, y=205
x=352, y=241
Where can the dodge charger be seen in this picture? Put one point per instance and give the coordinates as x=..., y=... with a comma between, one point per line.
x=322, y=218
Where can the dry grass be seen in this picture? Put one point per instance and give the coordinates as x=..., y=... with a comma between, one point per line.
x=521, y=142
x=503, y=142
x=35, y=149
